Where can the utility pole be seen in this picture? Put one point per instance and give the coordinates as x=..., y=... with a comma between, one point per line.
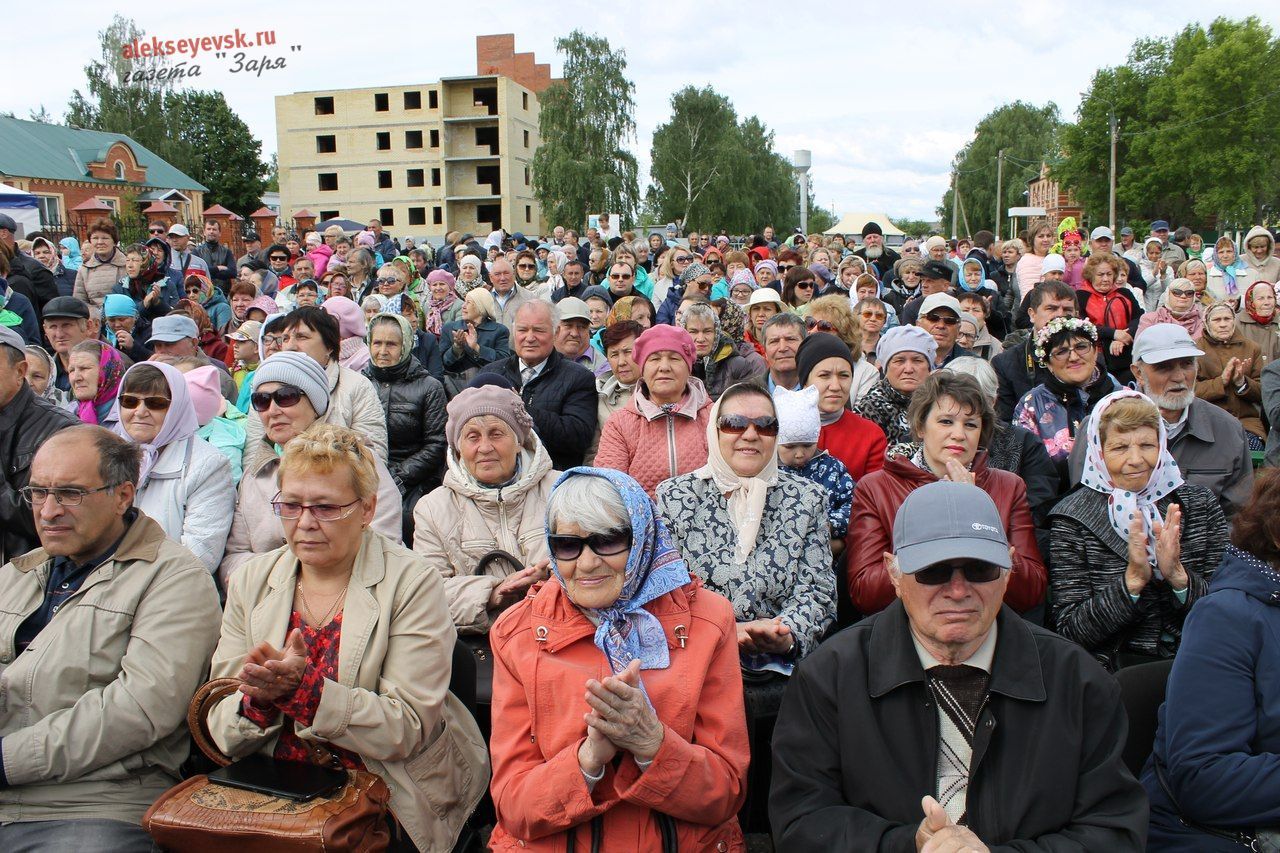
x=999, y=188
x=955, y=201
x=1111, y=223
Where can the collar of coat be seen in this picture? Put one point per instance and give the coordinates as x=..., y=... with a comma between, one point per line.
x=893, y=661
x=368, y=570
x=141, y=541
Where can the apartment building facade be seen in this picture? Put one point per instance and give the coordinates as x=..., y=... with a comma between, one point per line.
x=424, y=159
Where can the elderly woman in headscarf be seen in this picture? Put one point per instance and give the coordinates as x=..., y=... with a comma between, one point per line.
x=1177, y=305
x=184, y=482
x=1134, y=548
x=443, y=305
x=353, y=353
x=1229, y=374
x=492, y=502
x=41, y=368
x=1228, y=274
x=659, y=759
x=1259, y=321
x=469, y=275
x=147, y=283
x=94, y=369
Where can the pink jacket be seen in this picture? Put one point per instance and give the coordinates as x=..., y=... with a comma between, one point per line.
x=635, y=436
x=544, y=652
x=320, y=258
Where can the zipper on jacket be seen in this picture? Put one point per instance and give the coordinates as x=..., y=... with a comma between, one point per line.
x=671, y=443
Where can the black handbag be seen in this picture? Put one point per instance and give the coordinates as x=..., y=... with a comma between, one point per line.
x=479, y=643
x=1262, y=840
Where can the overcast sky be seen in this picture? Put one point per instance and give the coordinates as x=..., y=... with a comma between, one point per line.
x=883, y=100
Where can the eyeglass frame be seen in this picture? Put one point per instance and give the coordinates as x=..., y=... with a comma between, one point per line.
x=28, y=494
x=276, y=503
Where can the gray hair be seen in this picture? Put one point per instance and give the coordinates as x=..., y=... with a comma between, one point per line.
x=592, y=503
x=553, y=310
x=784, y=318
x=702, y=311
x=980, y=370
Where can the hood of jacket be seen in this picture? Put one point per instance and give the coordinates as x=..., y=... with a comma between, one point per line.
x=166, y=248
x=1247, y=256
x=1243, y=571
x=459, y=481
x=215, y=298
x=695, y=398
x=611, y=389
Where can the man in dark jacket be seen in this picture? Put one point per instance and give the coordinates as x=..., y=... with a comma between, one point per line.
x=25, y=422
x=560, y=395
x=946, y=719
x=26, y=275
x=222, y=264
x=874, y=251
x=1016, y=367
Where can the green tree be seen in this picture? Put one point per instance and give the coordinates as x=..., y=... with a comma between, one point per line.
x=273, y=173
x=582, y=164
x=1027, y=134
x=227, y=158
x=912, y=227
x=691, y=155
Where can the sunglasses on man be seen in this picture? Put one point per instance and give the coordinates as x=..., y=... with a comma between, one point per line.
x=973, y=571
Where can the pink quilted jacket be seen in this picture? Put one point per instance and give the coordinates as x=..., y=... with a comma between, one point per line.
x=651, y=445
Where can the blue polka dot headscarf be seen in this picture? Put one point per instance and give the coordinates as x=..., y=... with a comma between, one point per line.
x=1123, y=505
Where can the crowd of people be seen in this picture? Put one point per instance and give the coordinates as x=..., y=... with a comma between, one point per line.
x=849, y=543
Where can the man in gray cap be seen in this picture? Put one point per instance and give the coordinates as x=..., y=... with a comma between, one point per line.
x=946, y=722
x=25, y=422
x=573, y=336
x=176, y=336
x=1208, y=444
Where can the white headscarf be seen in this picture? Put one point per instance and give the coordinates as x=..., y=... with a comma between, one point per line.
x=180, y=421
x=1122, y=505
x=746, y=494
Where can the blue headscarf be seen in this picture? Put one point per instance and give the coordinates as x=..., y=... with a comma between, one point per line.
x=627, y=631
x=72, y=260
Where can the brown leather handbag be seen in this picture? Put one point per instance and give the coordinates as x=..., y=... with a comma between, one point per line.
x=197, y=815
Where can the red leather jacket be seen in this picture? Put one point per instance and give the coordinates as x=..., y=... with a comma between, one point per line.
x=875, y=505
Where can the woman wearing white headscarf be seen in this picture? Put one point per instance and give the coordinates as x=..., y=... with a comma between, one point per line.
x=1135, y=548
x=184, y=483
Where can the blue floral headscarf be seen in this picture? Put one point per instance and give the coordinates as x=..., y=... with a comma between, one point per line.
x=627, y=631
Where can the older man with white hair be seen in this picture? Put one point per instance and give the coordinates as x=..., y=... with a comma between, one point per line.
x=1208, y=444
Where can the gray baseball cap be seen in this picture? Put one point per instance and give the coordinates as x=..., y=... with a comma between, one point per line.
x=173, y=328
x=948, y=521
x=573, y=308
x=10, y=338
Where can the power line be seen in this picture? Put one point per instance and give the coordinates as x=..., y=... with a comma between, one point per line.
x=1193, y=122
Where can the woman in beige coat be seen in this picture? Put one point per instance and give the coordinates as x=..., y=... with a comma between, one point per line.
x=103, y=266
x=494, y=497
x=341, y=639
x=290, y=394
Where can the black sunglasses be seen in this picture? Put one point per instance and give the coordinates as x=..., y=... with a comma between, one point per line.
x=974, y=572
x=601, y=544
x=945, y=319
x=280, y=258
x=156, y=231
x=286, y=396
x=737, y=424
x=683, y=259
x=153, y=403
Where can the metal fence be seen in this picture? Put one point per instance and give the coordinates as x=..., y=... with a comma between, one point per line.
x=133, y=229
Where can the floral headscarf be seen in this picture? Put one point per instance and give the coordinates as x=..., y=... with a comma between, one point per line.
x=732, y=320
x=110, y=372
x=625, y=630
x=1122, y=505
x=1053, y=329
x=623, y=309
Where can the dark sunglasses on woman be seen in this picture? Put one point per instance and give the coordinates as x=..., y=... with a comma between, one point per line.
x=286, y=396
x=153, y=403
x=737, y=424
x=814, y=324
x=601, y=544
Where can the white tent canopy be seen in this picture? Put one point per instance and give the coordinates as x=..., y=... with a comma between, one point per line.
x=851, y=223
x=21, y=205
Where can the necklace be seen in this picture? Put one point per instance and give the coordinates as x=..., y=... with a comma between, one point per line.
x=306, y=606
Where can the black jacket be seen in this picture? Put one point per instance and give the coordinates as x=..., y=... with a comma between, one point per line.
x=1017, y=373
x=30, y=278
x=413, y=403
x=562, y=402
x=216, y=255
x=856, y=747
x=426, y=349
x=24, y=425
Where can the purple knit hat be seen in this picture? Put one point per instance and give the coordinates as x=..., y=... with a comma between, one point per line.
x=502, y=403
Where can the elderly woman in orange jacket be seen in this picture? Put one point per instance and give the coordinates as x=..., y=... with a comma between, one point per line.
x=618, y=689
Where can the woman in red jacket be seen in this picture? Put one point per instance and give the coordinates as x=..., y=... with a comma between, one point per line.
x=825, y=361
x=952, y=420
x=617, y=696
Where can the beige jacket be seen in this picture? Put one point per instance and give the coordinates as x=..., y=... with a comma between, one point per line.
x=93, y=713
x=256, y=529
x=96, y=278
x=353, y=403
x=612, y=396
x=459, y=522
x=390, y=704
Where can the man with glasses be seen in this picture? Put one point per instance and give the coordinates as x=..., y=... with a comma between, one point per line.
x=940, y=317
x=915, y=729
x=26, y=420
x=622, y=280
x=107, y=630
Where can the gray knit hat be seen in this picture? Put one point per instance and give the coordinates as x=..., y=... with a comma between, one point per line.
x=502, y=403
x=299, y=370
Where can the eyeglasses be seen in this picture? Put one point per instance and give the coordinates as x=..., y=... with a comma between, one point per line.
x=785, y=267
x=388, y=279
x=1181, y=293
x=154, y=403
x=1080, y=348
x=814, y=324
x=945, y=319
x=737, y=424
x=974, y=572
x=618, y=277
x=966, y=337
x=286, y=397
x=278, y=340
x=601, y=544
x=526, y=266
x=37, y=495
x=155, y=231
x=683, y=259
x=873, y=315
x=320, y=512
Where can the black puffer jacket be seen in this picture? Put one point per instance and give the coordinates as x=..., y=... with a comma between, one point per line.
x=24, y=425
x=413, y=403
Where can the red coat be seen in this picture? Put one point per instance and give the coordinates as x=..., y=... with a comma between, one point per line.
x=855, y=441
x=875, y=506
x=698, y=776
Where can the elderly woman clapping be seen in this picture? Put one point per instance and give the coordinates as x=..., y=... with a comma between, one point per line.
x=494, y=498
x=1135, y=548
x=342, y=645
x=618, y=689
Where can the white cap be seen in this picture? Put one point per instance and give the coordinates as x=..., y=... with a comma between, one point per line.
x=940, y=300
x=573, y=308
x=1161, y=342
x=1102, y=232
x=1053, y=262
x=179, y=229
x=763, y=295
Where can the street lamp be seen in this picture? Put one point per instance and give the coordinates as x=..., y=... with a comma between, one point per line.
x=801, y=161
